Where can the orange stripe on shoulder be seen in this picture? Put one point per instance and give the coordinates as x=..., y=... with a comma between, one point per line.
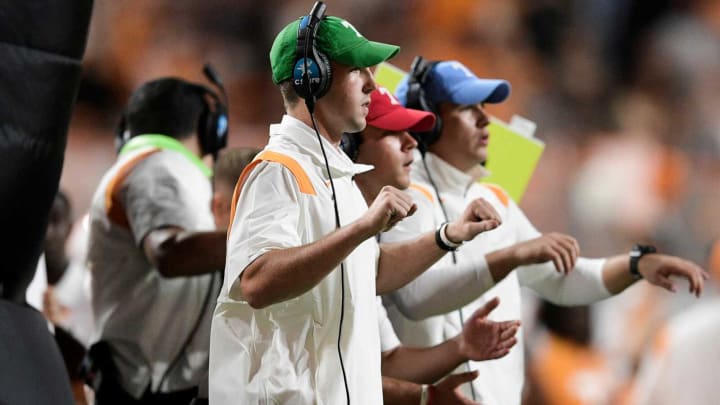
x=291, y=164
x=499, y=192
x=113, y=205
x=423, y=190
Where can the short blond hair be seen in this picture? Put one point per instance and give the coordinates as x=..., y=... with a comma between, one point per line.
x=230, y=165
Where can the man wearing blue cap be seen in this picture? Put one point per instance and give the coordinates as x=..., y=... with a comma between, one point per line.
x=444, y=179
x=296, y=318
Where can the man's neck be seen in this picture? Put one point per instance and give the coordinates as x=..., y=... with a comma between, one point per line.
x=470, y=168
x=300, y=112
x=369, y=193
x=193, y=145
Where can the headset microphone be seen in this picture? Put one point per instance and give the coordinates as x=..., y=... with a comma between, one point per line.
x=215, y=79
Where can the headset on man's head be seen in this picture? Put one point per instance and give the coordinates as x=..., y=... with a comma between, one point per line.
x=312, y=73
x=212, y=122
x=417, y=99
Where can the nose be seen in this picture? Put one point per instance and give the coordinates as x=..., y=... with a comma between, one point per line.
x=408, y=142
x=370, y=83
x=482, y=118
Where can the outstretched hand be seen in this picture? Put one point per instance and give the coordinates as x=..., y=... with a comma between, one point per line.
x=447, y=391
x=483, y=339
x=657, y=269
x=479, y=216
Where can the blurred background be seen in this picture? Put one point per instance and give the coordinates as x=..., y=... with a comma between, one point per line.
x=626, y=96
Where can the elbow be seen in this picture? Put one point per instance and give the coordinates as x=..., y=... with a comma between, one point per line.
x=253, y=294
x=164, y=265
x=413, y=315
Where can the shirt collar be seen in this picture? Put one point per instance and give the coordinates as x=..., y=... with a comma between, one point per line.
x=445, y=175
x=292, y=130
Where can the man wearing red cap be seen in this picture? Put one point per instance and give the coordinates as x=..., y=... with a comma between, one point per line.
x=386, y=145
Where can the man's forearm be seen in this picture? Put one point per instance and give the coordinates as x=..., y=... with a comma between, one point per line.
x=283, y=274
x=397, y=392
x=501, y=262
x=422, y=365
x=616, y=274
x=178, y=253
x=401, y=262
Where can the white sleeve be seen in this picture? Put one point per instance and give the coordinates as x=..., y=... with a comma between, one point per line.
x=583, y=285
x=427, y=295
x=388, y=338
x=267, y=217
x=159, y=192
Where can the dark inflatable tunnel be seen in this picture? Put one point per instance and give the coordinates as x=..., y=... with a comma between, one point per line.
x=41, y=47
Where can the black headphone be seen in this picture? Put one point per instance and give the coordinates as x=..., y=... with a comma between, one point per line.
x=311, y=72
x=212, y=122
x=417, y=99
x=350, y=144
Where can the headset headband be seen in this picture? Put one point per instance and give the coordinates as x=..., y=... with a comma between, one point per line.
x=311, y=72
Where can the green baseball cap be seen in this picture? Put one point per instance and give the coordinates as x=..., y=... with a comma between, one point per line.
x=336, y=38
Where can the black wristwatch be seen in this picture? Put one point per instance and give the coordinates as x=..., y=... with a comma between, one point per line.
x=636, y=253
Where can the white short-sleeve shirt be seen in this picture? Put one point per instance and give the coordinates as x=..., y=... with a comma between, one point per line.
x=146, y=318
x=287, y=352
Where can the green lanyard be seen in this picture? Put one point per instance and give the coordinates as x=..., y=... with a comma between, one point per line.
x=168, y=143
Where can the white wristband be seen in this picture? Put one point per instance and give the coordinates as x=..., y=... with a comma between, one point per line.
x=443, y=236
x=424, y=395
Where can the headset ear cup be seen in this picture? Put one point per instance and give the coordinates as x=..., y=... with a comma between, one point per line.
x=205, y=128
x=350, y=144
x=212, y=121
x=325, y=74
x=220, y=128
x=417, y=99
x=307, y=57
x=299, y=79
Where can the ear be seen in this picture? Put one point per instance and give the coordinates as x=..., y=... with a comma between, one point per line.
x=217, y=204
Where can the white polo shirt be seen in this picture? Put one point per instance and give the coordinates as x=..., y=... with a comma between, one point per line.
x=145, y=317
x=388, y=338
x=445, y=287
x=287, y=352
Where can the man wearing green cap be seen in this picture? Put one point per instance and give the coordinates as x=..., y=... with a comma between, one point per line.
x=296, y=320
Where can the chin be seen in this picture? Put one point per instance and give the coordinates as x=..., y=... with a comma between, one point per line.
x=357, y=125
x=481, y=155
x=403, y=183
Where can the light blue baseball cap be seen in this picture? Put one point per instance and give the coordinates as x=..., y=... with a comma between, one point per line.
x=451, y=81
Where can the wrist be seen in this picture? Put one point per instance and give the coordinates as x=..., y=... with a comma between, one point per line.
x=442, y=240
x=452, y=234
x=427, y=394
x=364, y=229
x=458, y=347
x=637, y=253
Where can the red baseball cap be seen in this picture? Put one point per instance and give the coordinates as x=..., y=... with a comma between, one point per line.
x=387, y=113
